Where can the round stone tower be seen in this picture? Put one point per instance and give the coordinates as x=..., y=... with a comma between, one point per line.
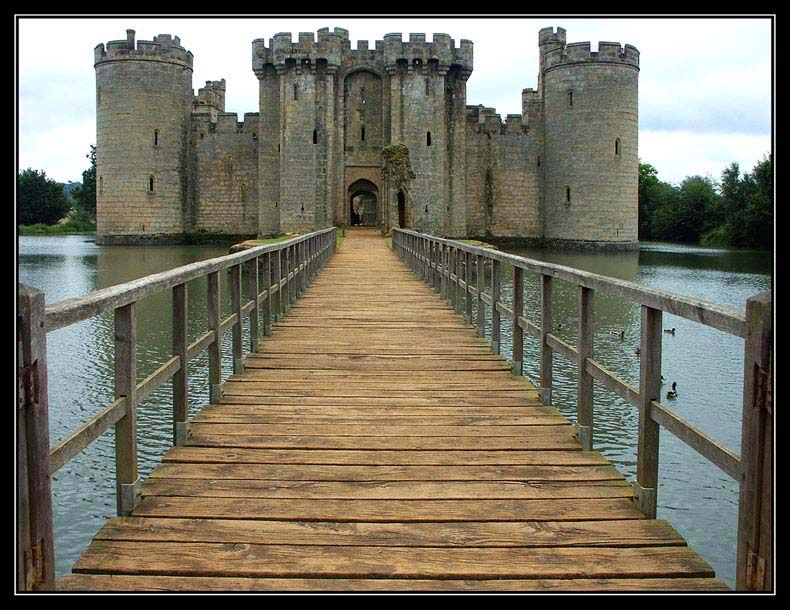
x=591, y=131
x=143, y=105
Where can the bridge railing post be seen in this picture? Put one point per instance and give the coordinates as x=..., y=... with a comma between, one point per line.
x=235, y=299
x=646, y=485
x=126, y=475
x=754, y=570
x=496, y=320
x=278, y=278
x=35, y=539
x=546, y=327
x=180, y=378
x=480, y=277
x=584, y=393
x=518, y=310
x=468, y=289
x=253, y=276
x=215, y=349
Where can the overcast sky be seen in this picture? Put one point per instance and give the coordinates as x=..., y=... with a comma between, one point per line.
x=705, y=85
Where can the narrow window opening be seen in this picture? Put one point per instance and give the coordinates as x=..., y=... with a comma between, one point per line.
x=315, y=136
x=567, y=195
x=617, y=147
x=538, y=160
x=151, y=184
x=101, y=184
x=363, y=134
x=156, y=137
x=296, y=92
x=362, y=94
x=570, y=98
x=428, y=139
x=427, y=86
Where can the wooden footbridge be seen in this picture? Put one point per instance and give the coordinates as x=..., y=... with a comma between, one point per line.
x=371, y=440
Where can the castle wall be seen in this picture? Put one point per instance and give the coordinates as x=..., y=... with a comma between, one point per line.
x=226, y=178
x=170, y=163
x=503, y=178
x=143, y=103
x=591, y=130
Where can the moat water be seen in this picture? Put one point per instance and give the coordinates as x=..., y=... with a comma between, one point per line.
x=699, y=500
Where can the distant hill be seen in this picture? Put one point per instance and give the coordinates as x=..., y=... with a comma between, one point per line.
x=69, y=187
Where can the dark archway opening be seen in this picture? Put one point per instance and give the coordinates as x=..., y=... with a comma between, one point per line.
x=363, y=204
x=401, y=209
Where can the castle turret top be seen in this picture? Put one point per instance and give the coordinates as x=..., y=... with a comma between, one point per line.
x=163, y=47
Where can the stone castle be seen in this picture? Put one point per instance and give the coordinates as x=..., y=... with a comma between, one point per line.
x=376, y=136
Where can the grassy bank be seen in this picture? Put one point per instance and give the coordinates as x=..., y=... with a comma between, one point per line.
x=66, y=228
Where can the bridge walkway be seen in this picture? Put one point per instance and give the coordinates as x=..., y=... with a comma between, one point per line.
x=376, y=443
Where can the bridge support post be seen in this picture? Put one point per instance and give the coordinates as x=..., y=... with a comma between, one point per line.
x=278, y=278
x=267, y=286
x=754, y=571
x=235, y=299
x=127, y=479
x=180, y=378
x=649, y=389
x=35, y=541
x=546, y=327
x=584, y=405
x=481, y=279
x=496, y=322
x=252, y=292
x=518, y=311
x=215, y=349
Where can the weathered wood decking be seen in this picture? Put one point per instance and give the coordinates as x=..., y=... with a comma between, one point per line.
x=376, y=443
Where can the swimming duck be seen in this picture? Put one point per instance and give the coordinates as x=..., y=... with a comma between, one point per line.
x=618, y=333
x=558, y=327
x=671, y=331
x=637, y=351
x=674, y=391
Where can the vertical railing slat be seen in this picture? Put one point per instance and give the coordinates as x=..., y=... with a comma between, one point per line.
x=215, y=348
x=496, y=320
x=253, y=274
x=518, y=310
x=646, y=485
x=546, y=327
x=481, y=312
x=584, y=388
x=126, y=476
x=267, y=287
x=235, y=300
x=754, y=569
x=180, y=378
x=35, y=537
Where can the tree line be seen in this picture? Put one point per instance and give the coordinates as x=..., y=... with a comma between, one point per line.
x=41, y=200
x=736, y=211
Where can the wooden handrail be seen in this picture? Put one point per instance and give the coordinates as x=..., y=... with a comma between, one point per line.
x=752, y=468
x=305, y=256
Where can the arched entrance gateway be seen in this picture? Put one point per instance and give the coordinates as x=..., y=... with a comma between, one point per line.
x=362, y=200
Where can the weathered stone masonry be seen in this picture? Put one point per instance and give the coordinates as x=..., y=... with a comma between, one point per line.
x=384, y=131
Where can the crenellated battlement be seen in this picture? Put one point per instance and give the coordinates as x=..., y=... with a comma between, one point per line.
x=581, y=52
x=212, y=96
x=335, y=47
x=163, y=48
x=487, y=120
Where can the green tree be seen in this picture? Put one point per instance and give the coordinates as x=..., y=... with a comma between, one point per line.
x=758, y=209
x=39, y=199
x=84, y=196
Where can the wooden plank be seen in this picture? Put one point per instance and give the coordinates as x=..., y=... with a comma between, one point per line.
x=391, y=510
x=238, y=455
x=386, y=490
x=280, y=560
x=547, y=441
x=117, y=582
x=323, y=472
x=472, y=534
